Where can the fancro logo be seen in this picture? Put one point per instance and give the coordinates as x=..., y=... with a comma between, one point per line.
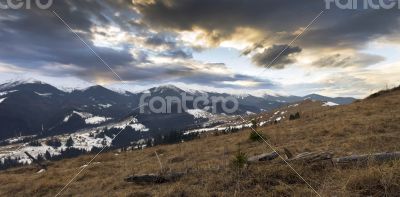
x=25, y=4
x=161, y=105
x=362, y=4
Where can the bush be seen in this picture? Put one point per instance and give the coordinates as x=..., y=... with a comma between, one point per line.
x=254, y=124
x=256, y=137
x=294, y=116
x=240, y=160
x=380, y=180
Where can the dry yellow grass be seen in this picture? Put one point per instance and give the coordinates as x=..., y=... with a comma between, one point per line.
x=366, y=126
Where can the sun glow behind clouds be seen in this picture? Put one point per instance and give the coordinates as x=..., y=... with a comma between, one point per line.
x=241, y=39
x=243, y=83
x=109, y=36
x=195, y=37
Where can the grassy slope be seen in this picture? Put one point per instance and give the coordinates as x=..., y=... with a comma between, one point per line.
x=367, y=126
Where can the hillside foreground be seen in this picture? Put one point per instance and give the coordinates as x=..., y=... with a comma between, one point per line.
x=366, y=126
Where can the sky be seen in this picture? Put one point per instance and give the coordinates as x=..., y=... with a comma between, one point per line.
x=259, y=47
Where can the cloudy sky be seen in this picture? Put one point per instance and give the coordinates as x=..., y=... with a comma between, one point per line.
x=239, y=46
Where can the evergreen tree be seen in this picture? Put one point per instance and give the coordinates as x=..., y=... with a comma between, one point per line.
x=47, y=155
x=104, y=142
x=254, y=124
x=297, y=115
x=70, y=142
x=40, y=157
x=149, y=143
x=54, y=142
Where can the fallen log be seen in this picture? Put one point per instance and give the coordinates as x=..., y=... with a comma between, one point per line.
x=311, y=157
x=363, y=159
x=154, y=178
x=263, y=157
x=307, y=157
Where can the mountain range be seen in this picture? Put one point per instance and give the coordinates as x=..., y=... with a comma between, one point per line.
x=37, y=108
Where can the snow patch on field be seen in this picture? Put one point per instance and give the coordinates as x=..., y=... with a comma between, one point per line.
x=2, y=99
x=104, y=106
x=19, y=139
x=133, y=123
x=44, y=94
x=84, y=140
x=96, y=120
x=264, y=123
x=83, y=115
x=218, y=128
x=330, y=104
x=249, y=113
x=19, y=152
x=7, y=92
x=198, y=113
x=89, y=118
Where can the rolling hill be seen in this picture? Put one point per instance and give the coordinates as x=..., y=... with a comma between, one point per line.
x=366, y=126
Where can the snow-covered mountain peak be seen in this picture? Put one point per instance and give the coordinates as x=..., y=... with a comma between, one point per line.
x=165, y=88
x=14, y=83
x=242, y=96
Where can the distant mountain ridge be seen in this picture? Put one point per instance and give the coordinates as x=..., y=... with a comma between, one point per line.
x=34, y=107
x=293, y=99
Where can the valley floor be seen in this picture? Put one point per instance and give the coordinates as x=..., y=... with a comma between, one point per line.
x=366, y=126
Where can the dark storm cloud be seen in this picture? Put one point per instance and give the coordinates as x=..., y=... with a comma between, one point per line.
x=353, y=29
x=173, y=48
x=335, y=29
x=276, y=56
x=37, y=40
x=37, y=37
x=225, y=15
